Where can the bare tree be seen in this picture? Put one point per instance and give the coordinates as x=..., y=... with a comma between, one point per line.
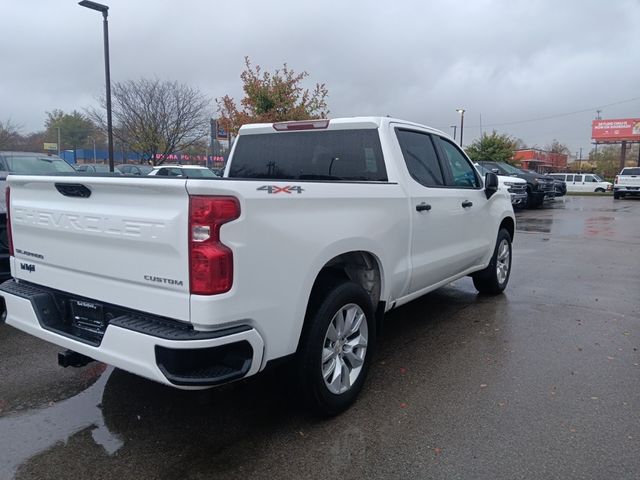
x=9, y=135
x=155, y=118
x=556, y=147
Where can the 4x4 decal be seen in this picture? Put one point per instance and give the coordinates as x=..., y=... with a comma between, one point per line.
x=272, y=189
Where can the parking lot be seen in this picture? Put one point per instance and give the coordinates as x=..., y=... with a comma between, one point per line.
x=541, y=382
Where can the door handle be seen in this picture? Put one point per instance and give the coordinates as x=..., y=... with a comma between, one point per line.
x=467, y=204
x=422, y=207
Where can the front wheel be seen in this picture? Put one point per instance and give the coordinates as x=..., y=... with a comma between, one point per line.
x=599, y=190
x=336, y=348
x=493, y=279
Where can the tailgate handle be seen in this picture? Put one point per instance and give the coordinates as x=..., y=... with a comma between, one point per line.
x=73, y=190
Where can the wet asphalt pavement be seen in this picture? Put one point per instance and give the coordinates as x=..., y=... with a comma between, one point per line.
x=541, y=382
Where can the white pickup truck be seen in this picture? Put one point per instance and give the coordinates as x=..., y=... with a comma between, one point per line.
x=318, y=229
x=627, y=183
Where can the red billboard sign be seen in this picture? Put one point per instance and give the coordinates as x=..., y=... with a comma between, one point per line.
x=616, y=130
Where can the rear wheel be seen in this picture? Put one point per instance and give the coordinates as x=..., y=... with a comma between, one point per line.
x=335, y=351
x=493, y=279
x=616, y=195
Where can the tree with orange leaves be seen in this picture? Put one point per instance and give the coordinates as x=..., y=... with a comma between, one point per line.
x=272, y=97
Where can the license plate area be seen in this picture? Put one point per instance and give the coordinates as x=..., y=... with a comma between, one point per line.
x=87, y=318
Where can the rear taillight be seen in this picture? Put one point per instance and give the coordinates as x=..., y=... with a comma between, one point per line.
x=210, y=261
x=9, y=235
x=616, y=180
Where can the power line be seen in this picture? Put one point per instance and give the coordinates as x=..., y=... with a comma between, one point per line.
x=558, y=115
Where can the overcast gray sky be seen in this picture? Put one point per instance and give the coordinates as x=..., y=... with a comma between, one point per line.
x=506, y=61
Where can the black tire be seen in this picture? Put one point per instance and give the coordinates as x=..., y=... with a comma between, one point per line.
x=533, y=202
x=599, y=190
x=489, y=281
x=616, y=195
x=318, y=396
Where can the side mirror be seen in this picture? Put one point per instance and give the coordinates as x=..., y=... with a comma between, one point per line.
x=490, y=184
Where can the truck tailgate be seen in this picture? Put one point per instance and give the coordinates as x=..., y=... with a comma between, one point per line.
x=629, y=180
x=125, y=243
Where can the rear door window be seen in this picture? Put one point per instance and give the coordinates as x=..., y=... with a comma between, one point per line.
x=577, y=178
x=351, y=155
x=420, y=156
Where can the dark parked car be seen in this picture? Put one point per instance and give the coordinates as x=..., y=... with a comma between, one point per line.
x=134, y=169
x=22, y=162
x=539, y=187
x=560, y=187
x=94, y=168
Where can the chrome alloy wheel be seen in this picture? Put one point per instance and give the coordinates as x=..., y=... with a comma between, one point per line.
x=344, y=348
x=503, y=261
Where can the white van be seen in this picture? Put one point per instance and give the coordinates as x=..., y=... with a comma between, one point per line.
x=583, y=182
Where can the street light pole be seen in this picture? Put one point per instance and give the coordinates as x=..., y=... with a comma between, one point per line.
x=58, y=140
x=461, y=112
x=94, y=149
x=105, y=24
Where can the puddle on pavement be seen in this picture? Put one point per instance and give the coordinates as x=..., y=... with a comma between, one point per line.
x=598, y=226
x=541, y=225
x=35, y=431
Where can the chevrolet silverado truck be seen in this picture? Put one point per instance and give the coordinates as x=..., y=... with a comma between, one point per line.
x=316, y=230
x=627, y=183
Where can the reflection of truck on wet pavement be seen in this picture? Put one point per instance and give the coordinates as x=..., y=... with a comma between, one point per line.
x=318, y=229
x=627, y=183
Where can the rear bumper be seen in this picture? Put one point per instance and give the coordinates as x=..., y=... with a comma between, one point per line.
x=159, y=349
x=626, y=190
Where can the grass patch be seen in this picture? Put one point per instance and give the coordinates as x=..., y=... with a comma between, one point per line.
x=590, y=194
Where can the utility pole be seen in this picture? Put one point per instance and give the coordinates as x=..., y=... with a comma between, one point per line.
x=580, y=160
x=623, y=155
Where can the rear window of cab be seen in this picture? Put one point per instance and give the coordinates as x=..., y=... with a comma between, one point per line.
x=347, y=155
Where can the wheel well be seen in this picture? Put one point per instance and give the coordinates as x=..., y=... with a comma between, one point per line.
x=359, y=267
x=509, y=225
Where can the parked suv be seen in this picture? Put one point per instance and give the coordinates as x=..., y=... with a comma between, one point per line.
x=133, y=169
x=539, y=187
